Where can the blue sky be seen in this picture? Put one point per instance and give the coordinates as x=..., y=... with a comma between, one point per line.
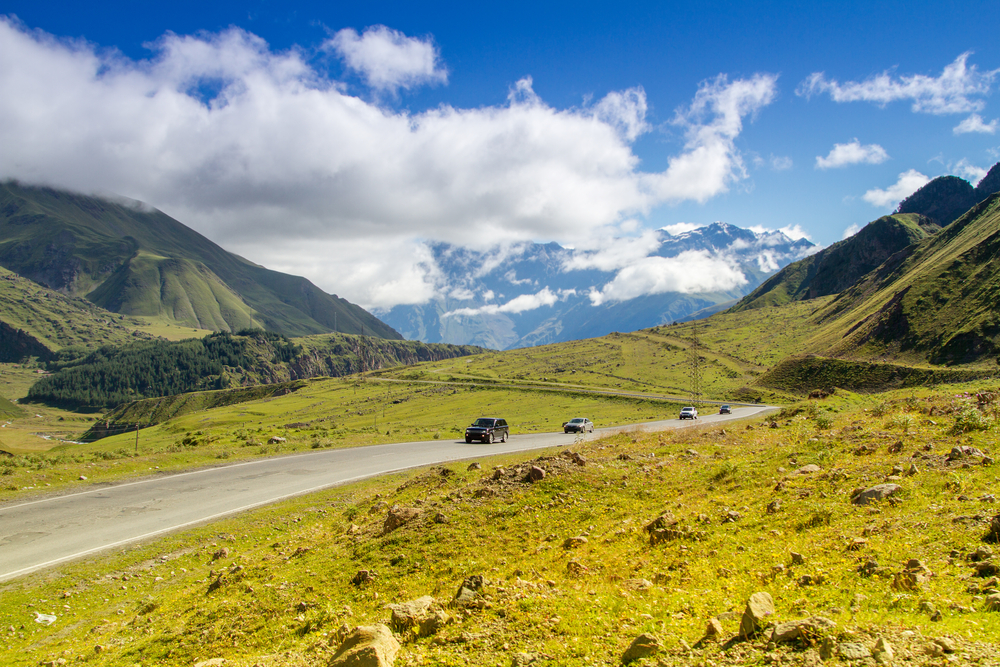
x=294, y=133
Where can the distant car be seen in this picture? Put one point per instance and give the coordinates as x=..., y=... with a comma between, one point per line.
x=725, y=410
x=578, y=425
x=689, y=413
x=487, y=429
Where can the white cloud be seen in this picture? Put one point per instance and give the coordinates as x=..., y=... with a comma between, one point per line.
x=388, y=59
x=679, y=228
x=794, y=232
x=955, y=91
x=691, y=271
x=969, y=171
x=518, y=304
x=853, y=153
x=781, y=162
x=850, y=231
x=908, y=183
x=975, y=123
x=613, y=254
x=268, y=157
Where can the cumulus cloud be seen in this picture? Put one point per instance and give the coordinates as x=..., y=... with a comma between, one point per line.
x=387, y=59
x=850, y=231
x=958, y=89
x=908, y=183
x=969, y=171
x=781, y=162
x=679, y=228
x=519, y=304
x=853, y=153
x=690, y=272
x=794, y=232
x=266, y=155
x=975, y=123
x=613, y=254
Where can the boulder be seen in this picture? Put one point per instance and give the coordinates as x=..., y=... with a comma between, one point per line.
x=536, y=474
x=875, y=493
x=759, y=607
x=397, y=517
x=424, y=616
x=366, y=646
x=806, y=629
x=642, y=646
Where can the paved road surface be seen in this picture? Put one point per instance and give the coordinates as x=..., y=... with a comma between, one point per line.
x=43, y=532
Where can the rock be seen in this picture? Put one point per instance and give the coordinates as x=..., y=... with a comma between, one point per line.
x=353, y=529
x=714, y=629
x=759, y=607
x=853, y=651
x=993, y=602
x=523, y=659
x=440, y=518
x=805, y=629
x=875, y=494
x=574, y=542
x=808, y=469
x=665, y=520
x=221, y=553
x=773, y=507
x=363, y=577
x=731, y=516
x=797, y=559
x=577, y=568
x=536, y=474
x=82, y=478
x=642, y=646
x=469, y=593
x=474, y=466
x=639, y=584
x=912, y=470
x=211, y=662
x=397, y=517
x=423, y=616
x=857, y=544
x=993, y=534
x=275, y=440
x=947, y=644
x=882, y=652
x=366, y=646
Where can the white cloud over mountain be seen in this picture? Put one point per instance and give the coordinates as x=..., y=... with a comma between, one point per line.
x=975, y=123
x=689, y=272
x=908, y=183
x=260, y=151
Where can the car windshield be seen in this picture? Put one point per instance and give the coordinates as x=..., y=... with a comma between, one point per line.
x=726, y=407
x=483, y=422
x=576, y=421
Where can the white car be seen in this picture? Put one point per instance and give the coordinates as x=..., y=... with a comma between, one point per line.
x=689, y=413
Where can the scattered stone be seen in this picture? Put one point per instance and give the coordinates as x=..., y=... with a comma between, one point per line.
x=470, y=592
x=82, y=478
x=947, y=644
x=808, y=469
x=805, y=629
x=642, y=646
x=857, y=544
x=440, y=518
x=759, y=607
x=363, y=577
x=960, y=452
x=912, y=470
x=731, y=516
x=714, y=630
x=993, y=602
x=353, y=529
x=853, y=651
x=574, y=542
x=398, y=517
x=367, y=646
x=211, y=662
x=875, y=493
x=993, y=534
x=639, y=584
x=276, y=440
x=896, y=447
x=523, y=659
x=665, y=520
x=575, y=457
x=474, y=466
x=882, y=652
x=773, y=507
x=221, y=553
x=576, y=568
x=423, y=616
x=536, y=474
x=797, y=559
x=869, y=567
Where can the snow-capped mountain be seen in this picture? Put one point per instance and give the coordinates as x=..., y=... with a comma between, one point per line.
x=533, y=294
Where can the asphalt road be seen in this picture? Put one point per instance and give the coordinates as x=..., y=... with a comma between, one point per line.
x=47, y=531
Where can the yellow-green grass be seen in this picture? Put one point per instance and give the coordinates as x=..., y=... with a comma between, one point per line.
x=273, y=587
x=328, y=412
x=163, y=328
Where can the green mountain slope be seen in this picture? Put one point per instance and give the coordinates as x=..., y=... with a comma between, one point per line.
x=935, y=301
x=139, y=261
x=36, y=321
x=840, y=265
x=946, y=198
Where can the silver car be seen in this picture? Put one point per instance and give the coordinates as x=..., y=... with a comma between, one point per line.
x=689, y=413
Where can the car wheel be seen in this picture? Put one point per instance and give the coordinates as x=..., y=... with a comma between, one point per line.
x=503, y=438
x=491, y=438
x=468, y=441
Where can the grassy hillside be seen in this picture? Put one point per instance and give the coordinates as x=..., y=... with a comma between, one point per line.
x=569, y=572
x=139, y=261
x=935, y=302
x=842, y=264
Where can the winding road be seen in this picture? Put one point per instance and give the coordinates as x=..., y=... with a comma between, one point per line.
x=44, y=532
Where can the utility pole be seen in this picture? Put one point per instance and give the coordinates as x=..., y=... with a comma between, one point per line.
x=137, y=438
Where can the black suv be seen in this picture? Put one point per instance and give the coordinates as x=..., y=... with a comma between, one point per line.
x=487, y=429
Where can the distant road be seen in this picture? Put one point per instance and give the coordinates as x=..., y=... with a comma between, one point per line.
x=44, y=532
